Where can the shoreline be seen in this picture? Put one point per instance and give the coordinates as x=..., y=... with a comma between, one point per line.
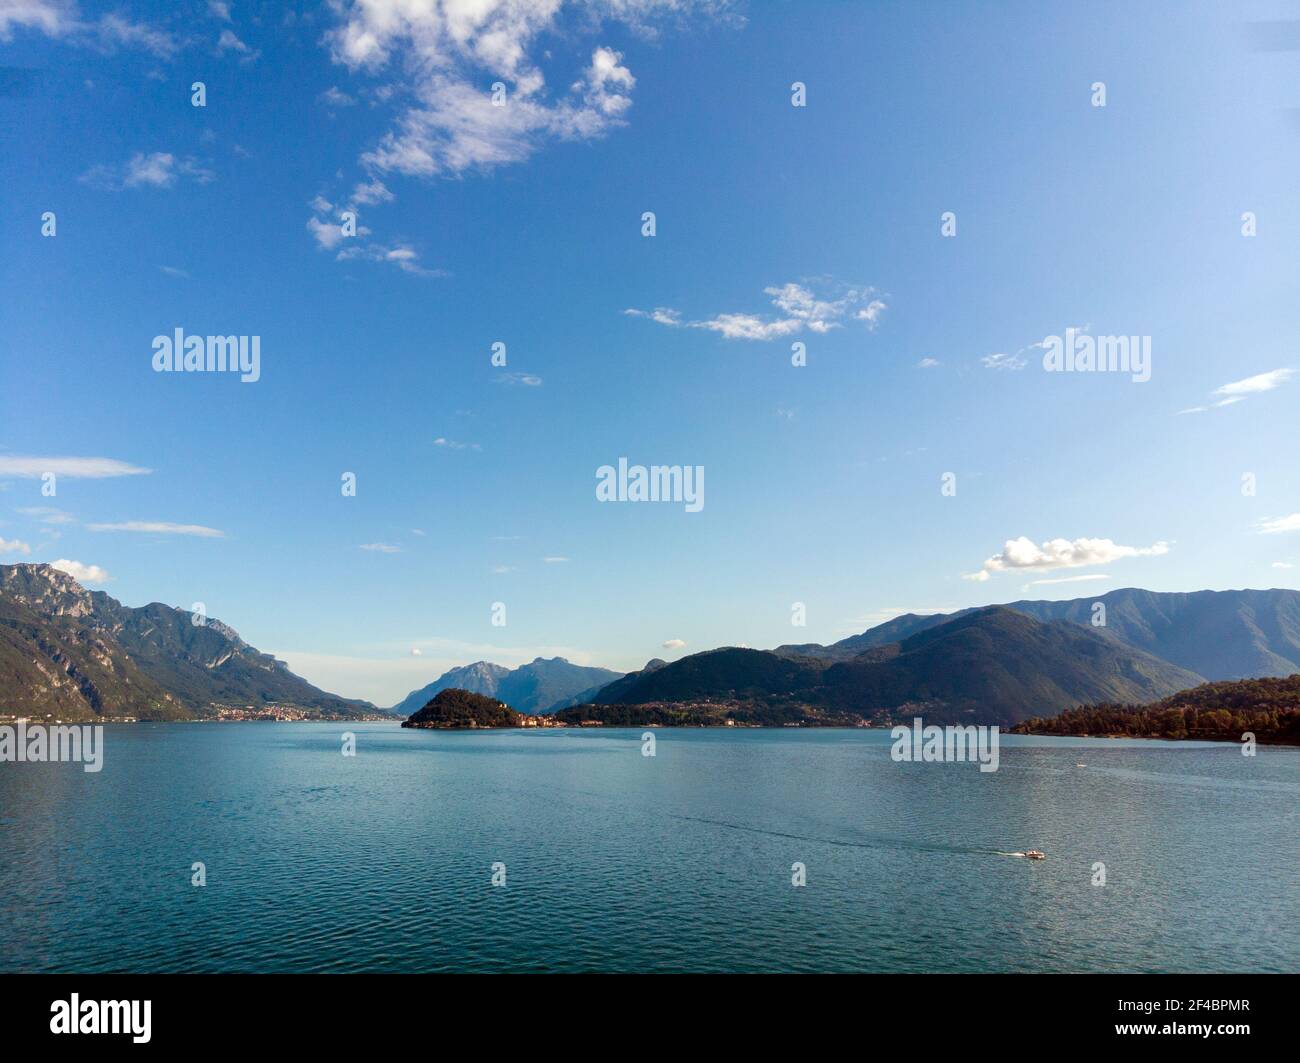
x=403, y=725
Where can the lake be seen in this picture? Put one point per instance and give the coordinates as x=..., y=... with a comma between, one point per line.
x=615, y=861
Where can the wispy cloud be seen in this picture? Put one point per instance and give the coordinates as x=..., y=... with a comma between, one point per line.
x=1240, y=390
x=14, y=546
x=73, y=468
x=336, y=97
x=157, y=169
x=1253, y=385
x=556, y=560
x=1023, y=555
x=454, y=124
x=61, y=20
x=47, y=514
x=326, y=228
x=229, y=41
x=527, y=380
x=1004, y=361
x=475, y=96
x=405, y=258
x=799, y=308
x=381, y=548
x=1066, y=579
x=1280, y=524
x=451, y=444
x=159, y=527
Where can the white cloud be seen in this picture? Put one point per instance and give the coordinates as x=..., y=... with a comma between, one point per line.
x=81, y=573
x=528, y=380
x=381, y=548
x=403, y=257
x=443, y=59
x=45, y=16
x=47, y=515
x=73, y=468
x=159, y=527
x=328, y=235
x=336, y=97
x=1283, y=564
x=927, y=363
x=1004, y=361
x=1240, y=390
x=14, y=546
x=228, y=41
x=61, y=19
x=663, y=315
x=451, y=444
x=174, y=271
x=871, y=312
x=1280, y=524
x=450, y=55
x=219, y=9
x=607, y=82
x=1065, y=579
x=416, y=651
x=799, y=308
x=371, y=192
x=158, y=169
x=114, y=30
x=555, y=560
x=1253, y=385
x=673, y=644
x=1023, y=555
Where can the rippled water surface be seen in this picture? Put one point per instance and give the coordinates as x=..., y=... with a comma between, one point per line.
x=616, y=861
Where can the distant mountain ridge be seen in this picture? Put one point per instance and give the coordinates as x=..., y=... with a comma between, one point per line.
x=79, y=654
x=536, y=688
x=1216, y=634
x=992, y=665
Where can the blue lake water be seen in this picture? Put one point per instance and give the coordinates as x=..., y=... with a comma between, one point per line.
x=620, y=862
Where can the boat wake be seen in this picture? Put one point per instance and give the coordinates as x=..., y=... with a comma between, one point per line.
x=870, y=842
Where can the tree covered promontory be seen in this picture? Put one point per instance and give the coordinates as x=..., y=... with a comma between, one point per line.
x=453, y=709
x=1268, y=708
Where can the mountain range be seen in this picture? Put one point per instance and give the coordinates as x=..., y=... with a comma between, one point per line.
x=1217, y=634
x=996, y=664
x=537, y=688
x=79, y=655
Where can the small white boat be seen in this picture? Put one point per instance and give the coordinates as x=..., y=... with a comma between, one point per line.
x=1035, y=854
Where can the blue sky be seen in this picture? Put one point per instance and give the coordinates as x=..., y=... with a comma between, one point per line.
x=521, y=224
